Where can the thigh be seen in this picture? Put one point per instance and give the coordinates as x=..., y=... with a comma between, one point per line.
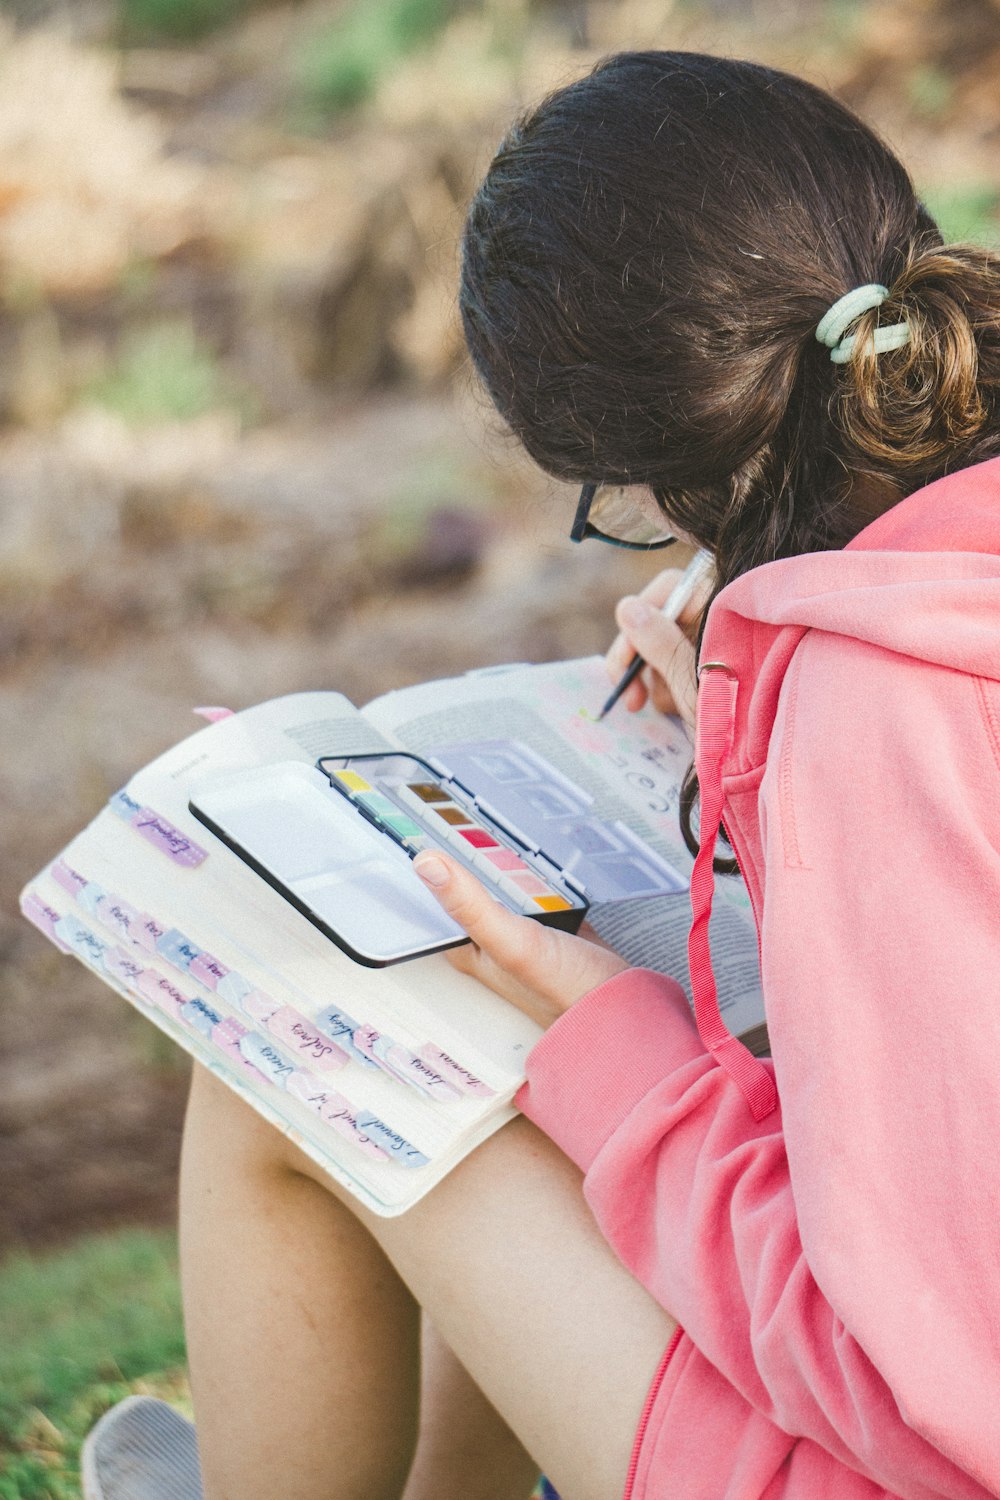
x=505, y=1257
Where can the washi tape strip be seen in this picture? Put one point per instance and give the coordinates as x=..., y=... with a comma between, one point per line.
x=266, y=1058
x=158, y=831
x=177, y=949
x=402, y=1065
x=161, y=993
x=71, y=881
x=80, y=940
x=419, y=1074
x=123, y=966
x=307, y=1041
x=400, y=1149
x=201, y=1016
x=90, y=897
x=337, y=1111
x=227, y=1036
x=342, y=1027
x=44, y=917
x=117, y=916
x=454, y=1072
x=208, y=970
x=148, y=931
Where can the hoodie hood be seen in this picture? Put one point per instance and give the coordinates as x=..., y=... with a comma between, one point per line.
x=922, y=580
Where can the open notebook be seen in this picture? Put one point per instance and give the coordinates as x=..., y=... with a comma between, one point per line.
x=271, y=931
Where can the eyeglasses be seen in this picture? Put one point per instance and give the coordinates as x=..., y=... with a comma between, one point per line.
x=626, y=515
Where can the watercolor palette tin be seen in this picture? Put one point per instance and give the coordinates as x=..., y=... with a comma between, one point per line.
x=337, y=841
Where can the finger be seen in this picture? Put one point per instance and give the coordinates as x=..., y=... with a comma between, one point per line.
x=656, y=592
x=510, y=940
x=679, y=694
x=659, y=589
x=540, y=969
x=651, y=634
x=635, y=695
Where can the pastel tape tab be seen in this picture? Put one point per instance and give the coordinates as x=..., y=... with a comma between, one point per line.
x=366, y=1039
x=90, y=897
x=125, y=806
x=335, y=1110
x=81, y=941
x=161, y=993
x=259, y=1006
x=460, y=1076
x=391, y=1058
x=170, y=840
x=391, y=1141
x=177, y=949
x=227, y=1036
x=338, y=1024
x=306, y=1040
x=124, y=967
x=416, y=1072
x=43, y=917
x=148, y=931
x=117, y=915
x=233, y=987
x=69, y=879
x=266, y=1058
x=199, y=1014
x=208, y=970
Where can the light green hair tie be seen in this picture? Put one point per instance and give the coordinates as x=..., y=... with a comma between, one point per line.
x=832, y=327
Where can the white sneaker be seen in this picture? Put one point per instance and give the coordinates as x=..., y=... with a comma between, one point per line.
x=141, y=1450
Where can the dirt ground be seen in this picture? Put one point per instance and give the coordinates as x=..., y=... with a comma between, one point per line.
x=91, y=1097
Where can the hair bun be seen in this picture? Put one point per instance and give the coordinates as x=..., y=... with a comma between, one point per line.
x=916, y=406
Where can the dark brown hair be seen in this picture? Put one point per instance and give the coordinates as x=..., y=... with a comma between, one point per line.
x=644, y=267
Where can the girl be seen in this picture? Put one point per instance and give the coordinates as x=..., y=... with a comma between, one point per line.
x=708, y=282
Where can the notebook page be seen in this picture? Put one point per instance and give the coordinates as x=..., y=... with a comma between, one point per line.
x=435, y=1021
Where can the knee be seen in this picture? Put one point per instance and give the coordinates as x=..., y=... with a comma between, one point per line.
x=219, y=1121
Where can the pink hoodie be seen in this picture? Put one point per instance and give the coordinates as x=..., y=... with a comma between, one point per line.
x=833, y=1259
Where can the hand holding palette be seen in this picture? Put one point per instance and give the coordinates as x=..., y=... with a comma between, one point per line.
x=337, y=841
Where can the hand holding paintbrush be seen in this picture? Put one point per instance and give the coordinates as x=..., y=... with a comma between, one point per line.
x=697, y=570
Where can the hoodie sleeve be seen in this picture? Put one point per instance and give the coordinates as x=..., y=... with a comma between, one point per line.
x=838, y=1262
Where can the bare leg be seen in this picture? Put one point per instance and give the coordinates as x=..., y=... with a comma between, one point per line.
x=465, y=1450
x=303, y=1342
x=306, y=1386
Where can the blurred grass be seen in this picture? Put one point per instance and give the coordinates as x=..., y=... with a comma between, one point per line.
x=346, y=61
x=79, y=1330
x=965, y=212
x=163, y=373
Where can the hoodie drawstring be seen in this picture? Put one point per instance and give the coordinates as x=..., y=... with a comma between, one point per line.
x=714, y=730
